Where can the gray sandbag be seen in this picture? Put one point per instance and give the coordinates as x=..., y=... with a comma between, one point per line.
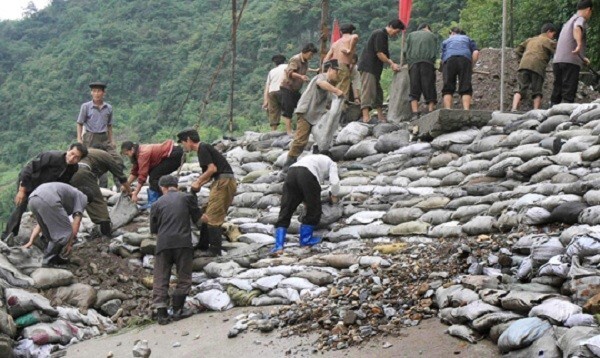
x=25, y=260
x=591, y=154
x=447, y=229
x=328, y=124
x=464, y=332
x=123, y=212
x=573, y=342
x=525, y=269
x=454, y=296
x=361, y=150
x=392, y=141
x=579, y=144
x=225, y=269
x=436, y=217
x=555, y=267
x=592, y=197
x=7, y=324
x=479, y=225
x=593, y=345
x=352, y=133
x=45, y=278
x=586, y=115
x=562, y=108
x=499, y=169
x=473, y=310
x=20, y=302
x=541, y=252
x=487, y=321
x=584, y=246
x=12, y=276
x=486, y=144
x=461, y=137
x=398, y=216
x=533, y=166
x=523, y=301
x=503, y=118
x=580, y=319
x=103, y=296
x=465, y=213
x=567, y=213
x=556, y=310
x=521, y=333
x=545, y=346
x=398, y=105
x=78, y=295
x=524, y=244
x=410, y=228
x=516, y=137
x=590, y=216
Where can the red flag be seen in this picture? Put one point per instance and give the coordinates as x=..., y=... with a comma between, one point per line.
x=335, y=33
x=404, y=8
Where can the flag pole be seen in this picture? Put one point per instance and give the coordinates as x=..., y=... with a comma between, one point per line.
x=503, y=59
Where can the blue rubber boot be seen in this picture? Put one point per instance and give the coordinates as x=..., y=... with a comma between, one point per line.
x=306, y=236
x=152, y=198
x=280, y=233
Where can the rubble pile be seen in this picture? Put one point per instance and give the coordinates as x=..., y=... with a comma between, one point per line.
x=495, y=230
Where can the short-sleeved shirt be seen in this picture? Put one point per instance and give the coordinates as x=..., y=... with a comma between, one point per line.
x=207, y=154
x=275, y=77
x=458, y=45
x=95, y=119
x=535, y=54
x=369, y=62
x=566, y=42
x=299, y=66
x=170, y=220
x=313, y=103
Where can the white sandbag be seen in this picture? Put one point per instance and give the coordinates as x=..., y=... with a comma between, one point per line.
x=225, y=269
x=289, y=294
x=522, y=333
x=268, y=283
x=555, y=267
x=297, y=283
x=214, y=300
x=59, y=331
x=328, y=124
x=463, y=332
x=555, y=310
x=584, y=246
x=593, y=344
x=20, y=302
x=352, y=133
x=580, y=319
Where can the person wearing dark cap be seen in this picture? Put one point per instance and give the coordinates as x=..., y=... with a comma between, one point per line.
x=312, y=106
x=295, y=77
x=50, y=166
x=343, y=50
x=93, y=166
x=222, y=190
x=170, y=222
x=151, y=161
x=272, y=96
x=52, y=204
x=95, y=123
x=370, y=65
x=570, y=54
x=303, y=185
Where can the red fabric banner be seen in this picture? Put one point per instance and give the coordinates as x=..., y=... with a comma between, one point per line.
x=335, y=32
x=404, y=8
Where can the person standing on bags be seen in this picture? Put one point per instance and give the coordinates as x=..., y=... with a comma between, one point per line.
x=303, y=185
x=570, y=54
x=92, y=167
x=47, y=167
x=344, y=50
x=272, y=96
x=459, y=55
x=96, y=117
x=52, y=204
x=222, y=190
x=311, y=107
x=421, y=52
x=170, y=222
x=151, y=161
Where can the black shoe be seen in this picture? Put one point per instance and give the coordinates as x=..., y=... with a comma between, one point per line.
x=215, y=237
x=289, y=161
x=162, y=316
x=179, y=310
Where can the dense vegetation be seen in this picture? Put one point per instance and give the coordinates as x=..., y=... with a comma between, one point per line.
x=160, y=58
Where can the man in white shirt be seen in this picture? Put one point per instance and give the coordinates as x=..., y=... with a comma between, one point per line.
x=271, y=95
x=303, y=185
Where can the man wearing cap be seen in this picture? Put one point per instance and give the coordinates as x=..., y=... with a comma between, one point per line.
x=52, y=204
x=272, y=96
x=343, y=50
x=312, y=106
x=170, y=221
x=295, y=77
x=93, y=166
x=96, y=117
x=370, y=65
x=303, y=185
x=222, y=190
x=151, y=161
x=46, y=167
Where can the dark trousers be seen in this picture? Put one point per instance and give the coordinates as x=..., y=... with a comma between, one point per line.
x=457, y=68
x=566, y=79
x=166, y=167
x=300, y=186
x=422, y=81
x=163, y=263
x=14, y=221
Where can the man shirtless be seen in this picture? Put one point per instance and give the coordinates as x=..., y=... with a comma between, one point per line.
x=344, y=50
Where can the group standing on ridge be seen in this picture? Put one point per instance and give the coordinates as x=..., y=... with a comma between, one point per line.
x=59, y=186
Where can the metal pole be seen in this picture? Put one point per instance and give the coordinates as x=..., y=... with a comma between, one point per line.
x=324, y=29
x=234, y=23
x=502, y=79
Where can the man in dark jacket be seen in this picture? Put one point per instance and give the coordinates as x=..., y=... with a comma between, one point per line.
x=47, y=167
x=170, y=220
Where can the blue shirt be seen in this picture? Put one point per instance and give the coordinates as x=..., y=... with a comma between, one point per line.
x=458, y=45
x=95, y=119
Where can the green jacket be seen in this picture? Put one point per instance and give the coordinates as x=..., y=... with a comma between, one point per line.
x=421, y=46
x=535, y=53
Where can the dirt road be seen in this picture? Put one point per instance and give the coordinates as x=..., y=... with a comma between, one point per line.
x=205, y=335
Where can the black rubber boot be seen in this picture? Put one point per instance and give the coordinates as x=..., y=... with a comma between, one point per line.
x=288, y=163
x=162, y=316
x=179, y=310
x=203, y=240
x=106, y=228
x=215, y=235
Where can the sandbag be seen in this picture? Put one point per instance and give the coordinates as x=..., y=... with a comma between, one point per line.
x=464, y=332
x=555, y=310
x=573, y=342
x=103, y=296
x=32, y=318
x=398, y=105
x=20, y=302
x=225, y=269
x=59, y=331
x=352, y=133
x=12, y=275
x=45, y=278
x=78, y=295
x=7, y=325
x=123, y=212
x=522, y=333
x=214, y=300
x=391, y=141
x=328, y=124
